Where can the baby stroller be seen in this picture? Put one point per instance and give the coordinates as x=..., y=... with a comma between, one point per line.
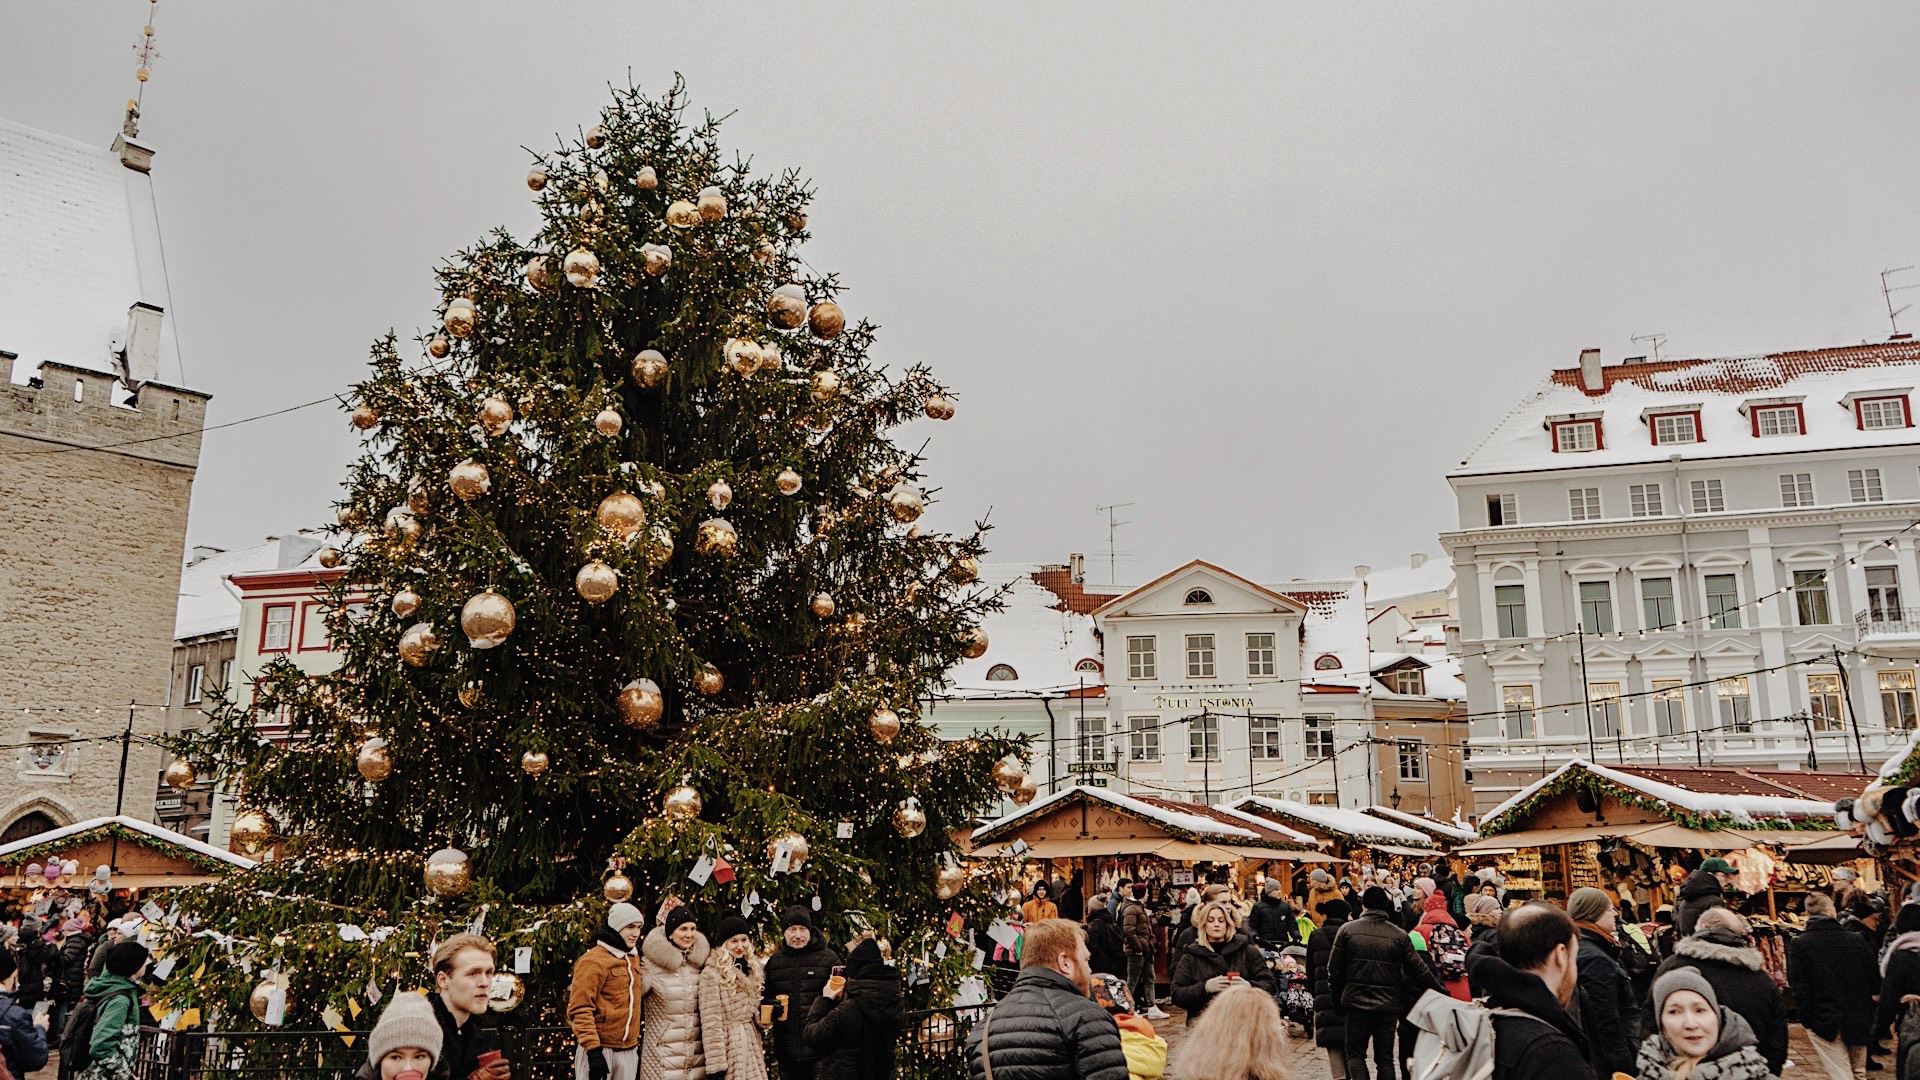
x=1295, y=995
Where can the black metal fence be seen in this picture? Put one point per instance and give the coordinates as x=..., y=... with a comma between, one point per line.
x=932, y=1047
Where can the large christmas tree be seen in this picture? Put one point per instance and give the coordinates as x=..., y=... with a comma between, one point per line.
x=634, y=588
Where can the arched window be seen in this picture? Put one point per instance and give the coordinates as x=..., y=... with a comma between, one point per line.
x=1088, y=666
x=1002, y=673
x=1199, y=596
x=1327, y=662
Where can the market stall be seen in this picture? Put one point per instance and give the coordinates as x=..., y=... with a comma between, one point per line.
x=1637, y=831
x=107, y=863
x=1350, y=834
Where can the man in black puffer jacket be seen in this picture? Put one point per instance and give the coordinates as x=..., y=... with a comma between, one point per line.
x=1329, y=1023
x=1104, y=944
x=856, y=1030
x=1834, y=976
x=798, y=972
x=1272, y=922
x=1376, y=976
x=1046, y=1027
x=39, y=962
x=1722, y=953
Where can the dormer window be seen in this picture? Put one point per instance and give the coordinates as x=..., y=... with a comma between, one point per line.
x=1576, y=436
x=1674, y=428
x=1199, y=596
x=1881, y=413
x=1771, y=420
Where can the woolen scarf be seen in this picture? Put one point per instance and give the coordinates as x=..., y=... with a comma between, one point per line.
x=1612, y=938
x=1735, y=1056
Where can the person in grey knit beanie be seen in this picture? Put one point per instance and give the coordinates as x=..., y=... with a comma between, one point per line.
x=406, y=1042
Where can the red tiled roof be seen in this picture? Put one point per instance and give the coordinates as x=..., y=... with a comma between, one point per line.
x=1743, y=375
x=1320, y=602
x=1074, y=595
x=1824, y=786
x=1725, y=780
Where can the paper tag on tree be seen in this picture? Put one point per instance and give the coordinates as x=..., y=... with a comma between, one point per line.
x=1004, y=935
x=971, y=991
x=163, y=969
x=746, y=906
x=816, y=903
x=722, y=871
x=331, y=1017
x=276, y=1008
x=702, y=871
x=955, y=924
x=940, y=951
x=916, y=974
x=479, y=924
x=843, y=831
x=152, y=912
x=782, y=858
x=373, y=992
x=523, y=960
x=350, y=933
x=979, y=958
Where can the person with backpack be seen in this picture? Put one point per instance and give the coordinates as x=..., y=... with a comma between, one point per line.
x=1376, y=976
x=1609, y=1009
x=23, y=1040
x=103, y=1033
x=1104, y=943
x=39, y=963
x=76, y=941
x=1444, y=944
x=1529, y=982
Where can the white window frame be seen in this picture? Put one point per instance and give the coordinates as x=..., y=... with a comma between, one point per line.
x=1796, y=489
x=1880, y=413
x=1803, y=594
x=1143, y=656
x=1502, y=623
x=1519, y=717
x=1583, y=503
x=1605, y=697
x=1143, y=738
x=1090, y=738
x=1261, y=654
x=1317, y=737
x=1864, y=486
x=1505, y=507
x=1899, y=701
x=1410, y=755
x=1735, y=696
x=1203, y=738
x=1770, y=416
x=1201, y=657
x=196, y=680
x=1672, y=600
x=1707, y=496
x=1645, y=500
x=1824, y=703
x=1263, y=739
x=1604, y=621
x=269, y=640
x=1669, y=706
x=1577, y=436
x=1727, y=618
x=1667, y=429
x=1410, y=680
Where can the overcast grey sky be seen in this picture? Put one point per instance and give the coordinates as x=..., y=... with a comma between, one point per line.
x=1264, y=270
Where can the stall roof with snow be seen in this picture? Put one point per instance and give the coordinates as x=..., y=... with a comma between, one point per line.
x=1582, y=796
x=1343, y=827
x=1444, y=832
x=142, y=854
x=1091, y=822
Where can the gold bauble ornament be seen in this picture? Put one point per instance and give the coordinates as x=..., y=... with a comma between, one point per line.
x=596, y=137
x=581, y=267
x=459, y=317
x=948, y=881
x=764, y=252
x=469, y=479
x=487, y=619
x=471, y=695
x=646, y=179
x=447, y=873
x=966, y=570
x=1024, y=791
x=649, y=368
x=742, y=356
x=596, y=582
x=826, y=320
x=654, y=488
x=826, y=385
x=905, y=503
x=823, y=605
x=855, y=625
x=796, y=220
x=533, y=762
x=787, y=307
x=418, y=643
x=716, y=537
x=538, y=275
x=365, y=416
x=1007, y=775
x=621, y=515
x=417, y=500
x=328, y=557
x=976, y=644
x=885, y=724
x=405, y=603
x=536, y=178
x=788, y=482
x=641, y=705
x=251, y=831
x=659, y=546
x=179, y=775
x=257, y=999
x=402, y=526
x=375, y=761
x=711, y=204
x=495, y=415
x=681, y=804
x=601, y=181
x=617, y=887
x=439, y=347
x=506, y=992
x=940, y=407
x=655, y=259
x=683, y=214
x=797, y=858
x=707, y=681
x=607, y=422
x=720, y=494
x=908, y=819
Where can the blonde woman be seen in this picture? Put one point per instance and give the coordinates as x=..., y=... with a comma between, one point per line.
x=1698, y=1039
x=1219, y=956
x=730, y=989
x=1241, y=1037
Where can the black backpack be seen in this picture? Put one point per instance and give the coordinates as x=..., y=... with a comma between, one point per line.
x=76, y=1039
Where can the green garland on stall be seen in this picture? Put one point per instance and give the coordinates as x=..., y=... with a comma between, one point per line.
x=54, y=847
x=1573, y=778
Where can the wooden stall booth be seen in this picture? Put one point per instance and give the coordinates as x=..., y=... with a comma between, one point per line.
x=1637, y=831
x=1352, y=835
x=60, y=869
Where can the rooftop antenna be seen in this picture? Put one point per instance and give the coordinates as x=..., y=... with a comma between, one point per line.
x=145, y=53
x=1887, y=291
x=1113, y=526
x=1652, y=340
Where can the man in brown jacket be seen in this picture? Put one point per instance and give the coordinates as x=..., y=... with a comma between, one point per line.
x=603, y=1006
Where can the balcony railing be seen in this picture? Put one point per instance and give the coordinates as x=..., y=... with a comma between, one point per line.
x=1888, y=622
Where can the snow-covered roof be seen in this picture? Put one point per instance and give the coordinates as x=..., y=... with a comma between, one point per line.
x=1451, y=829
x=1337, y=819
x=1030, y=635
x=208, y=605
x=157, y=832
x=1390, y=584
x=1335, y=625
x=1818, y=379
x=1442, y=675
x=1174, y=819
x=1736, y=809
x=72, y=235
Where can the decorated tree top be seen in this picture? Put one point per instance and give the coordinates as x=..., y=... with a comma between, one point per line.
x=634, y=576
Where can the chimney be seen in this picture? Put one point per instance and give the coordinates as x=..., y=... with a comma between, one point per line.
x=1077, y=568
x=1590, y=379
x=202, y=552
x=1419, y=559
x=132, y=154
x=139, y=352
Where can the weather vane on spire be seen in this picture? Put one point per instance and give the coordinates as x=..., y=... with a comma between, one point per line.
x=146, y=54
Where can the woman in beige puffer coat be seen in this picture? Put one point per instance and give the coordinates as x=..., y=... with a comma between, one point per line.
x=673, y=955
x=730, y=990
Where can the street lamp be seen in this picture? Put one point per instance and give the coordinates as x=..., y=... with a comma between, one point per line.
x=1394, y=799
